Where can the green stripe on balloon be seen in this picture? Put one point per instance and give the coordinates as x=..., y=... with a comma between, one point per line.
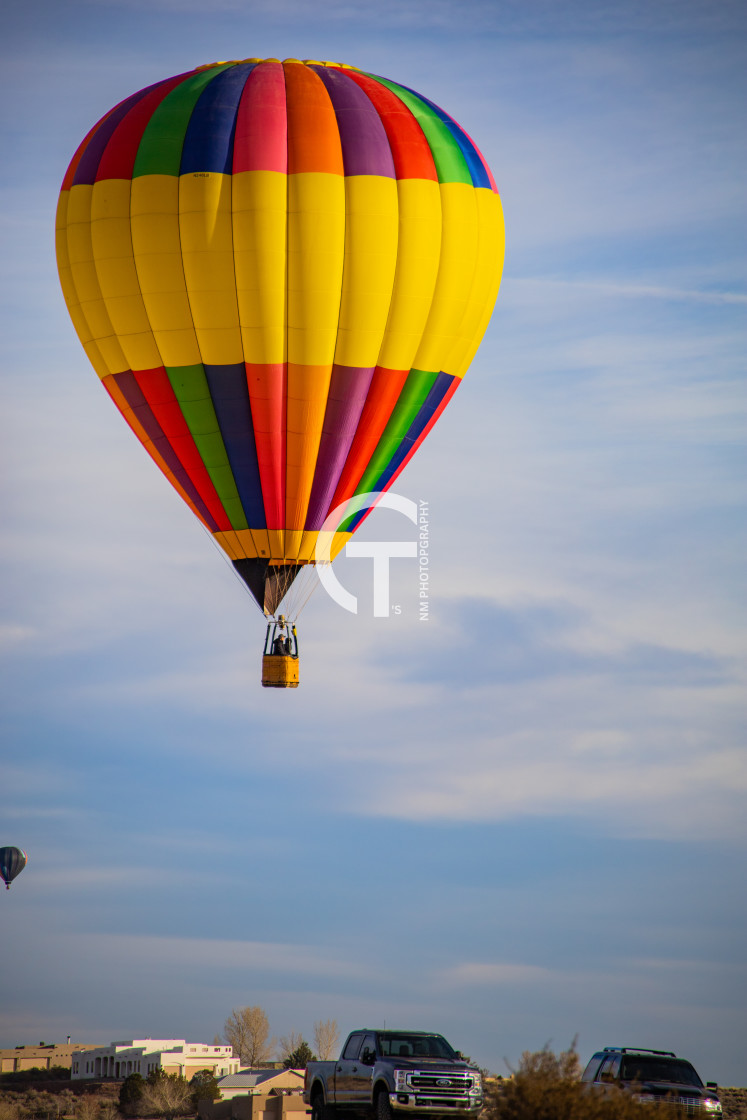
x=451, y=166
x=417, y=387
x=193, y=394
x=160, y=151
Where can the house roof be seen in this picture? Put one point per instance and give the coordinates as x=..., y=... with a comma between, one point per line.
x=254, y=1078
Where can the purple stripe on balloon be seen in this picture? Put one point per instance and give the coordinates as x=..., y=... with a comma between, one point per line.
x=133, y=394
x=91, y=158
x=347, y=396
x=365, y=147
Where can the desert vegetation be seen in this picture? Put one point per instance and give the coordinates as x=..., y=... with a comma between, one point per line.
x=544, y=1086
x=547, y=1086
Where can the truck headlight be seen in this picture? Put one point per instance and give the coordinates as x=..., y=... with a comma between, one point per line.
x=400, y=1080
x=711, y=1105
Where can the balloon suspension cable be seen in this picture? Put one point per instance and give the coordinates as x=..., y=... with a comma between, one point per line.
x=297, y=585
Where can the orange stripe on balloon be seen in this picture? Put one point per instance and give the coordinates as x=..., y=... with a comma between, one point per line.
x=313, y=135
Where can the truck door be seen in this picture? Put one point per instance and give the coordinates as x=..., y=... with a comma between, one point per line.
x=346, y=1069
x=361, y=1074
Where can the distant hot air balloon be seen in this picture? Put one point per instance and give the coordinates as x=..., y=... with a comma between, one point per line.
x=12, y=863
x=280, y=272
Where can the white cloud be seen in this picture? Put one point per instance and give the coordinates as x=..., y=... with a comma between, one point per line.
x=495, y=975
x=221, y=956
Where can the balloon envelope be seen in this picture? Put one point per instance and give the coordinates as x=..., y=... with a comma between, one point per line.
x=280, y=272
x=12, y=863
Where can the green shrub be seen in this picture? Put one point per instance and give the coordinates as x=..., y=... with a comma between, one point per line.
x=204, y=1086
x=131, y=1095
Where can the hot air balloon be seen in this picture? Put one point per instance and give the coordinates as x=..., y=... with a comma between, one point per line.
x=12, y=863
x=280, y=272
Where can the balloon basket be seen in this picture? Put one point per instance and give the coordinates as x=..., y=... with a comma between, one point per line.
x=280, y=656
x=279, y=672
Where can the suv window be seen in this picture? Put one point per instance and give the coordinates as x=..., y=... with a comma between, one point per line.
x=610, y=1068
x=590, y=1072
x=353, y=1046
x=646, y=1067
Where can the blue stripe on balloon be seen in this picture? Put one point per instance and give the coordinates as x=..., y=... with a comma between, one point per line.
x=475, y=164
x=425, y=413
x=230, y=396
x=208, y=141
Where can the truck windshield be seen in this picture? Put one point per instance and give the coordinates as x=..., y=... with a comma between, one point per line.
x=396, y=1044
x=659, y=1069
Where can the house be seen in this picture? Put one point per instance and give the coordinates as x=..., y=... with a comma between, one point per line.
x=42, y=1056
x=143, y=1055
x=258, y=1094
x=257, y=1082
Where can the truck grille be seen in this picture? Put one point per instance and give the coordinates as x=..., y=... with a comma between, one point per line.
x=691, y=1106
x=440, y=1085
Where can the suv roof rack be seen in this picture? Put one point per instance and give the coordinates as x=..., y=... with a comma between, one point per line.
x=638, y=1050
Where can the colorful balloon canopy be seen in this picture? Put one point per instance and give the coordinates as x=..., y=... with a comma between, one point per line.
x=280, y=272
x=12, y=863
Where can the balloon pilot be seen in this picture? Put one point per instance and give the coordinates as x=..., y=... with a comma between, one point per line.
x=280, y=656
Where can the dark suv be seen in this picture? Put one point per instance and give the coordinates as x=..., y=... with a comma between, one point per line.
x=651, y=1076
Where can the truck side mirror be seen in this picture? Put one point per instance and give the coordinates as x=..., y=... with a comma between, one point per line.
x=368, y=1057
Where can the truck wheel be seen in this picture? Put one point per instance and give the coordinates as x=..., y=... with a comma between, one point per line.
x=319, y=1110
x=383, y=1110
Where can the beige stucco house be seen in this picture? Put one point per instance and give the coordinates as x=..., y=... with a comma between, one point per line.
x=143, y=1055
x=17, y=1058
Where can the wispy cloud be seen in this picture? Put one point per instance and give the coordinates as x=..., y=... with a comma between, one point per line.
x=495, y=975
x=632, y=291
x=224, y=956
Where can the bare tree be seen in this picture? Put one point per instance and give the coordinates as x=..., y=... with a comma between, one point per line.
x=288, y=1045
x=247, y=1030
x=326, y=1039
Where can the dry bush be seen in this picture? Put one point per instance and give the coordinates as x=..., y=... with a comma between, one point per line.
x=168, y=1096
x=547, y=1086
x=87, y=1108
x=734, y=1102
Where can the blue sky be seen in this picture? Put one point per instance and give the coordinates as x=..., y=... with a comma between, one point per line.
x=522, y=820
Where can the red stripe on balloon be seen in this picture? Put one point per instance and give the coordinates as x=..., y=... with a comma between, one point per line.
x=261, y=140
x=156, y=388
x=446, y=398
x=410, y=150
x=67, y=182
x=386, y=386
x=267, y=395
x=118, y=159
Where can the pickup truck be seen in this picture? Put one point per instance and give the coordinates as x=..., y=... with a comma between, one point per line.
x=394, y=1072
